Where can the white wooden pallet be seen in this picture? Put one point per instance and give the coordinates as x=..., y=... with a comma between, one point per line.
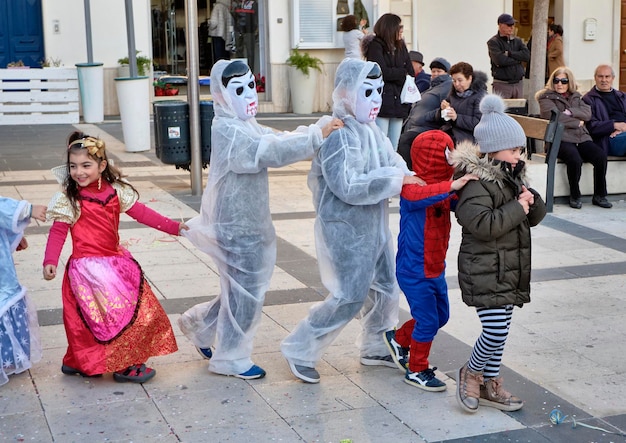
x=39, y=96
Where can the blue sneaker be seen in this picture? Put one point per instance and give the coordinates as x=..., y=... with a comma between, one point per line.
x=399, y=354
x=206, y=353
x=425, y=380
x=252, y=373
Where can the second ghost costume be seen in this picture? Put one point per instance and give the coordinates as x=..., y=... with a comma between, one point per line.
x=352, y=177
x=235, y=226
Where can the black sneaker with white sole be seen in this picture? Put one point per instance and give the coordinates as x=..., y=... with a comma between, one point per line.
x=425, y=380
x=399, y=354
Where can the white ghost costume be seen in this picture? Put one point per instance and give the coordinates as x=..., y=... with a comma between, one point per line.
x=234, y=226
x=352, y=177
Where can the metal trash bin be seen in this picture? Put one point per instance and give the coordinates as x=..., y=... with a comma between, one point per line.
x=171, y=130
x=206, y=120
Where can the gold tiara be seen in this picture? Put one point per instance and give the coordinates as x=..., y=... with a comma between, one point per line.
x=94, y=146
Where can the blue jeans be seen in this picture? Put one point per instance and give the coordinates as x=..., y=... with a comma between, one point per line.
x=617, y=145
x=391, y=127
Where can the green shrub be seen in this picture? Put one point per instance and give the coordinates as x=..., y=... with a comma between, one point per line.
x=303, y=61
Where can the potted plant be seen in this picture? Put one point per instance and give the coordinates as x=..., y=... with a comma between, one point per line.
x=164, y=89
x=303, y=71
x=143, y=65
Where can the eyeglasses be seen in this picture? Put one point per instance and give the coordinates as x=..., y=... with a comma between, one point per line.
x=563, y=81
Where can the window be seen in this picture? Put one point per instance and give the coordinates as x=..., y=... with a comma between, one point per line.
x=314, y=24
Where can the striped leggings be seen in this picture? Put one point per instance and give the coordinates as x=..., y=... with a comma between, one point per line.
x=488, y=349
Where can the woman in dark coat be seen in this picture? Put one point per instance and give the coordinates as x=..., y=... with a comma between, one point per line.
x=577, y=145
x=460, y=112
x=387, y=48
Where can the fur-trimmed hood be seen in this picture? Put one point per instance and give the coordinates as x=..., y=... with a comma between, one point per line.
x=467, y=159
x=365, y=43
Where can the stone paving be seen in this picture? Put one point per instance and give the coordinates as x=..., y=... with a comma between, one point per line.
x=565, y=350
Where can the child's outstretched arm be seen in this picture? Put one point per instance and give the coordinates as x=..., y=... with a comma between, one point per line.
x=462, y=181
x=150, y=217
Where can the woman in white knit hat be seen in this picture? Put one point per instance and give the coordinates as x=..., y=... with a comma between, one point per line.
x=496, y=213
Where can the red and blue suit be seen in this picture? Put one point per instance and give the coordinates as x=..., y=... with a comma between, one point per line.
x=422, y=245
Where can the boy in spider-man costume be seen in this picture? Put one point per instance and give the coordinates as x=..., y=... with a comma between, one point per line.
x=420, y=262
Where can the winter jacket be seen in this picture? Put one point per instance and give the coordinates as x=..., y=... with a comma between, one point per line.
x=600, y=125
x=555, y=54
x=573, y=132
x=507, y=67
x=395, y=66
x=423, y=115
x=494, y=260
x=422, y=81
x=221, y=22
x=467, y=109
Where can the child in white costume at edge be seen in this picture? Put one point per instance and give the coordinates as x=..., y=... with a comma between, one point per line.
x=352, y=177
x=235, y=226
x=20, y=345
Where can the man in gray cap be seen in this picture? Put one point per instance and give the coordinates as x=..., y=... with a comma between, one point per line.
x=507, y=53
x=423, y=115
x=422, y=79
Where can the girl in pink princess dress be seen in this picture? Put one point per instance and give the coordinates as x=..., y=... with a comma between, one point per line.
x=112, y=319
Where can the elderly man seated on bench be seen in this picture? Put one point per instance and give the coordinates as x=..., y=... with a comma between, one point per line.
x=608, y=113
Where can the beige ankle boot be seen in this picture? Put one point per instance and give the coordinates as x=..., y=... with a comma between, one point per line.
x=468, y=385
x=493, y=394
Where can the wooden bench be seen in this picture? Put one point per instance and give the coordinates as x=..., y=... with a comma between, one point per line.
x=550, y=133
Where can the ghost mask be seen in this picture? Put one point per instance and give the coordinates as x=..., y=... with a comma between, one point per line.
x=369, y=98
x=241, y=90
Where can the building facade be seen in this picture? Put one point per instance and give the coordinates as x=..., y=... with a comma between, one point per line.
x=454, y=29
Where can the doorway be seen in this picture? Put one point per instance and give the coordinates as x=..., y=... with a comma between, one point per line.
x=21, y=33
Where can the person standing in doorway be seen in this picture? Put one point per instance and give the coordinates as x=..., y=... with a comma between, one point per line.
x=246, y=25
x=507, y=54
x=221, y=30
x=554, y=53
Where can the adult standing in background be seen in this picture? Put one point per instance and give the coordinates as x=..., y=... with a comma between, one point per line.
x=554, y=51
x=422, y=79
x=608, y=112
x=221, y=30
x=507, y=53
x=353, y=33
x=387, y=48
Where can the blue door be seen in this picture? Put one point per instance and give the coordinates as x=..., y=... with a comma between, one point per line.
x=21, y=32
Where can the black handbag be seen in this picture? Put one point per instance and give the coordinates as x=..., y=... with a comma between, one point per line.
x=343, y=7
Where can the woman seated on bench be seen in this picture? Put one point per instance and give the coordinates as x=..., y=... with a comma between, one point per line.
x=576, y=145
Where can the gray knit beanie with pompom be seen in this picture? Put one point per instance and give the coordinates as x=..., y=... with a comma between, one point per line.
x=497, y=131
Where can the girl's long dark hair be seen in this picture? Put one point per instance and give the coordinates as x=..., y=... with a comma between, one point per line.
x=111, y=174
x=387, y=28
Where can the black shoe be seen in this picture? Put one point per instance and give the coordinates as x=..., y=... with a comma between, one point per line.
x=602, y=202
x=68, y=370
x=575, y=203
